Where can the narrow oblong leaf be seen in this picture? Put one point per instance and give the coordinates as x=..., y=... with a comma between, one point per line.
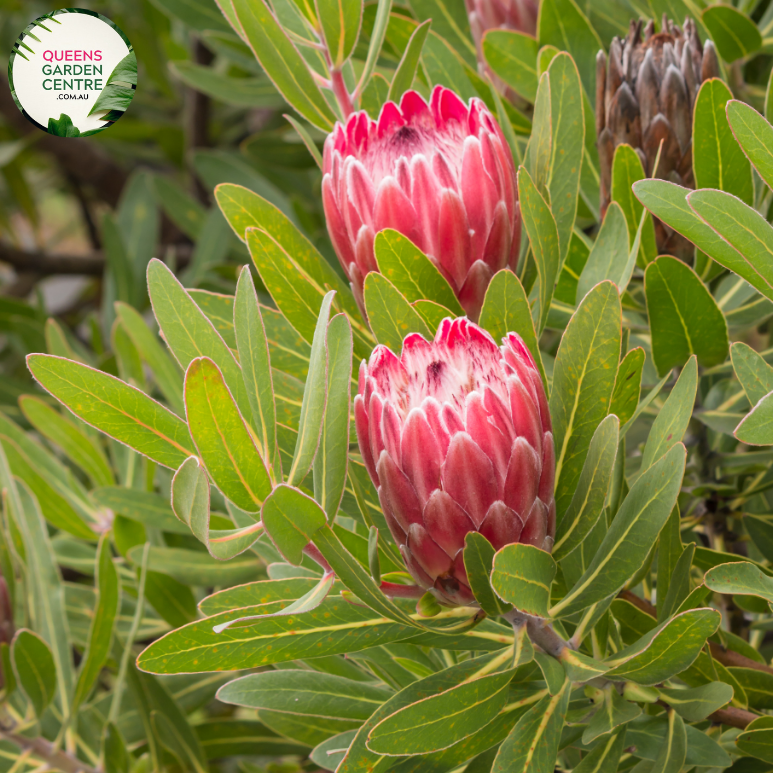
x=631, y=535
x=540, y=226
x=403, y=78
x=757, y=427
x=190, y=497
x=411, y=271
x=533, y=743
x=34, y=669
x=741, y=578
x=755, y=136
x=124, y=413
x=668, y=202
x=583, y=383
x=655, y=657
x=312, y=416
x=718, y=161
x=506, y=310
x=437, y=722
x=592, y=489
x=751, y=369
x=101, y=631
x=671, y=422
x=330, y=463
x=512, y=56
x=697, y=703
x=625, y=398
x=478, y=563
x=225, y=444
x=609, y=254
x=255, y=362
x=282, y=62
x=734, y=33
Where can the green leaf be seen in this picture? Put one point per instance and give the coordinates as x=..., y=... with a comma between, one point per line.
x=331, y=461
x=114, y=753
x=627, y=169
x=63, y=126
x=218, y=309
x=538, y=152
x=543, y=237
x=188, y=332
x=375, y=94
x=81, y=449
x=533, y=743
x=335, y=627
x=609, y=254
x=734, y=33
x=605, y=755
x=390, y=315
x=221, y=436
x=669, y=203
x=44, y=585
x=583, y=383
x=614, y=711
x=187, y=213
x=755, y=136
x=449, y=21
x=291, y=518
x=673, y=750
x=166, y=372
x=311, y=422
x=512, y=56
x=175, y=742
x=671, y=422
x=567, y=146
x=656, y=657
x=190, y=498
x=305, y=693
x=124, y=413
x=757, y=428
x=625, y=398
x=439, y=721
x=34, y=669
x=563, y=25
x=101, y=631
x=381, y=21
x=478, y=563
x=340, y=21
x=522, y=576
x=282, y=62
x=741, y=578
x=411, y=272
x=631, y=536
x=404, y=76
x=506, y=309
x=684, y=317
x=697, y=703
x=757, y=742
x=195, y=567
x=255, y=363
x=718, y=161
x=149, y=509
x=592, y=488
x=755, y=375
x=354, y=576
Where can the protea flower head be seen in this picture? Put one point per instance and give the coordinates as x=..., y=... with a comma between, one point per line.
x=456, y=436
x=645, y=94
x=440, y=174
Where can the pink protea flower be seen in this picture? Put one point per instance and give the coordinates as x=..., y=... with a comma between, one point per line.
x=456, y=436
x=441, y=174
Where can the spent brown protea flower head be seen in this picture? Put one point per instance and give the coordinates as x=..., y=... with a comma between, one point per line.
x=441, y=174
x=645, y=94
x=456, y=436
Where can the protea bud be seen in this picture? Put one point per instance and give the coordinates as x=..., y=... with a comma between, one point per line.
x=456, y=436
x=484, y=15
x=645, y=94
x=440, y=174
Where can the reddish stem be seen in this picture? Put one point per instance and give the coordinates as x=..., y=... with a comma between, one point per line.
x=341, y=92
x=312, y=551
x=396, y=590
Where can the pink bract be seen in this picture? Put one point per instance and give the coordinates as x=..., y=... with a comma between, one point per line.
x=441, y=174
x=456, y=436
